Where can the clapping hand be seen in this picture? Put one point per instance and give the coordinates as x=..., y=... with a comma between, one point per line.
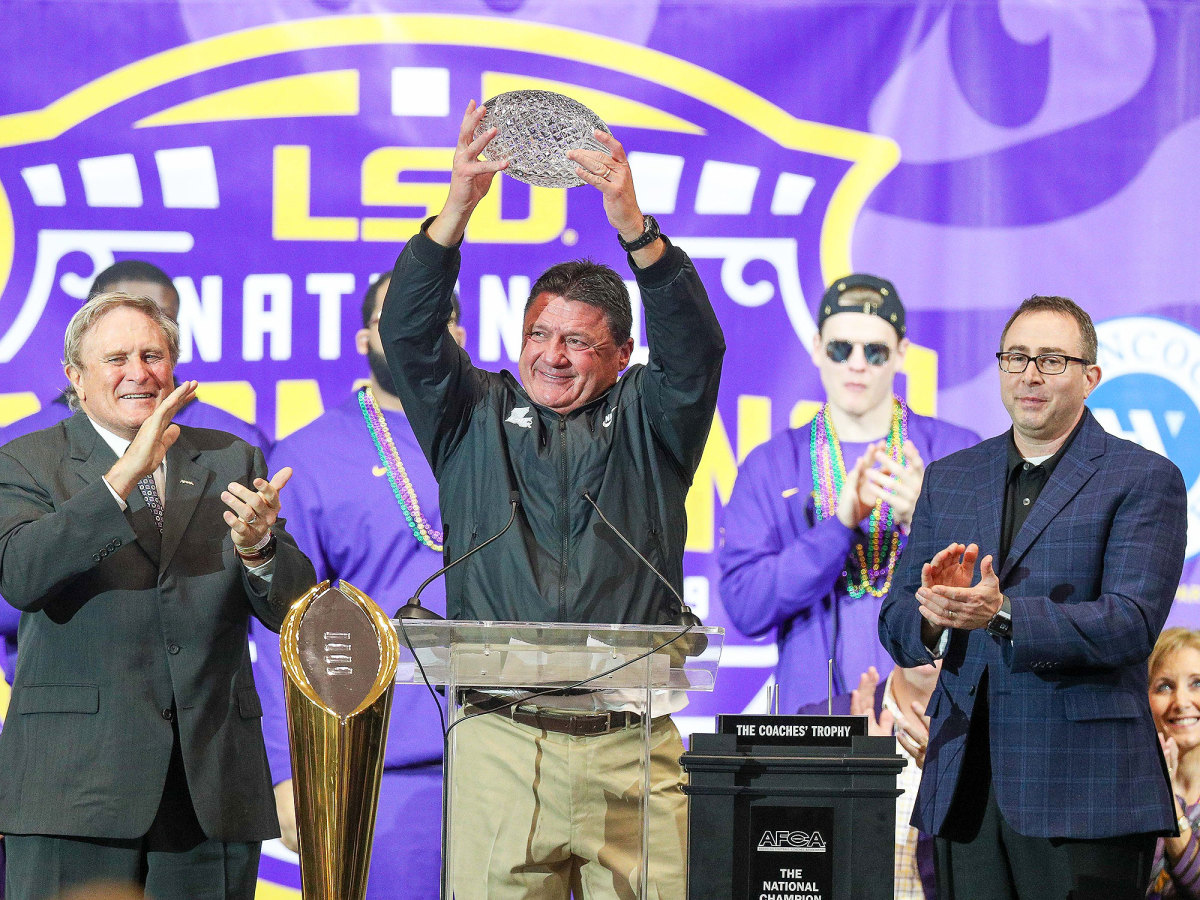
x=1170, y=751
x=946, y=595
x=252, y=512
x=149, y=446
x=897, y=484
x=862, y=703
x=853, y=504
x=912, y=731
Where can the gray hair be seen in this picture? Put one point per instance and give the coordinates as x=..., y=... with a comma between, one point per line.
x=97, y=308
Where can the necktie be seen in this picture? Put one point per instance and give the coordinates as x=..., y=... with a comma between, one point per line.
x=150, y=495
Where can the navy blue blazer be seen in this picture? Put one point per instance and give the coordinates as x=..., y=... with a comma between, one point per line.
x=1091, y=576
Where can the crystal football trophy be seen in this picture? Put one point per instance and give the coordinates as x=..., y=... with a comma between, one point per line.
x=339, y=659
x=536, y=129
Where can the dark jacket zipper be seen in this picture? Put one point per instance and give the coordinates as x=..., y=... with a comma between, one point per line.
x=563, y=509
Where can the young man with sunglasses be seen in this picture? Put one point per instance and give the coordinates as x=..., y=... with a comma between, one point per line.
x=819, y=514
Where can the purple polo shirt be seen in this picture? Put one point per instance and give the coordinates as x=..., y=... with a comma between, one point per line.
x=782, y=571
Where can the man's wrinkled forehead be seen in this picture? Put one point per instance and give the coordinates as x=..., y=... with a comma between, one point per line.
x=565, y=316
x=106, y=333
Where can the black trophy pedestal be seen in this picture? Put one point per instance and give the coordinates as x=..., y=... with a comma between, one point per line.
x=769, y=820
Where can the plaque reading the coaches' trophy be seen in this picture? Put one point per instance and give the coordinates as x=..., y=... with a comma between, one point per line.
x=797, y=731
x=536, y=129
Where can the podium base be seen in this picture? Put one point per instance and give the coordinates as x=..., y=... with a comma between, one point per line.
x=782, y=821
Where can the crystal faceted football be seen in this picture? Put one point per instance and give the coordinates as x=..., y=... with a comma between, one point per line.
x=536, y=129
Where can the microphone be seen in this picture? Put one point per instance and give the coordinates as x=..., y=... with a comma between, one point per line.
x=684, y=617
x=413, y=608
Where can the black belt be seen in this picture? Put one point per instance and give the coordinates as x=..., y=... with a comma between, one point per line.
x=558, y=721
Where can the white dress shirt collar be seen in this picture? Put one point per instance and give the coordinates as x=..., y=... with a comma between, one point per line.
x=119, y=445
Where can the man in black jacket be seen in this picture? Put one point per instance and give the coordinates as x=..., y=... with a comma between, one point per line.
x=568, y=428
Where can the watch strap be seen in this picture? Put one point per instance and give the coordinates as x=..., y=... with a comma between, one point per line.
x=650, y=234
x=1000, y=625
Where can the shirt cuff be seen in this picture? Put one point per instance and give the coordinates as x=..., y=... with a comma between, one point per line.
x=939, y=651
x=263, y=571
x=120, y=500
x=663, y=270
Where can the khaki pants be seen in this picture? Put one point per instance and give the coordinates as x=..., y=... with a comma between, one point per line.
x=537, y=814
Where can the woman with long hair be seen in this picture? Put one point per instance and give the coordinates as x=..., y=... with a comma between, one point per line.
x=1175, y=702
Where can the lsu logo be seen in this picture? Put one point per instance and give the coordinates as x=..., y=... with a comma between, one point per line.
x=791, y=842
x=1150, y=394
x=271, y=171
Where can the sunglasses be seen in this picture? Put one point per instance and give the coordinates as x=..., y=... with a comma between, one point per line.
x=876, y=354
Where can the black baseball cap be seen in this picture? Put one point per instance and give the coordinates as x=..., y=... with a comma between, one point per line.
x=888, y=307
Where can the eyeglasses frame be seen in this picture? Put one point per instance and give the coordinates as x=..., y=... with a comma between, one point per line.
x=1036, y=360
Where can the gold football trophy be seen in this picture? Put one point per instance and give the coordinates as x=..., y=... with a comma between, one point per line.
x=339, y=658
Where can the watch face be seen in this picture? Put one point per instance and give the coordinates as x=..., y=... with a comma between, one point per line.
x=649, y=234
x=1000, y=625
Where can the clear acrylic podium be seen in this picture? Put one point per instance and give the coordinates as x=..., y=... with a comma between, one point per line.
x=515, y=659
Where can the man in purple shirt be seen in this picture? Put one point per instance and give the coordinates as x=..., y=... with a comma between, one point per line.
x=820, y=513
x=360, y=479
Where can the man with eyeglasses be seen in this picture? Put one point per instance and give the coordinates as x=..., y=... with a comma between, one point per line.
x=1043, y=777
x=819, y=513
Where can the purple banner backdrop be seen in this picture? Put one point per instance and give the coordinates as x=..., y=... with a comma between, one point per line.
x=272, y=155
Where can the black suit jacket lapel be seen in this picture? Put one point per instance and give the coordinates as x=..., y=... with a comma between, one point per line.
x=90, y=454
x=187, y=482
x=991, y=506
x=1070, y=475
x=93, y=458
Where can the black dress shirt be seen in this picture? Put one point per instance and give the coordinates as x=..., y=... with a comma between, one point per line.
x=1022, y=488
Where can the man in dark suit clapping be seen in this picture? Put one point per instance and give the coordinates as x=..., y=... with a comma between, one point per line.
x=1043, y=777
x=137, y=550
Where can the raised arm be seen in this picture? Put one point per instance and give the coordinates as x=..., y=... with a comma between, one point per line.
x=434, y=377
x=470, y=179
x=610, y=174
x=685, y=340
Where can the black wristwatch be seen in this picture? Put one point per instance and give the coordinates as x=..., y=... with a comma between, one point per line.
x=1000, y=625
x=649, y=235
